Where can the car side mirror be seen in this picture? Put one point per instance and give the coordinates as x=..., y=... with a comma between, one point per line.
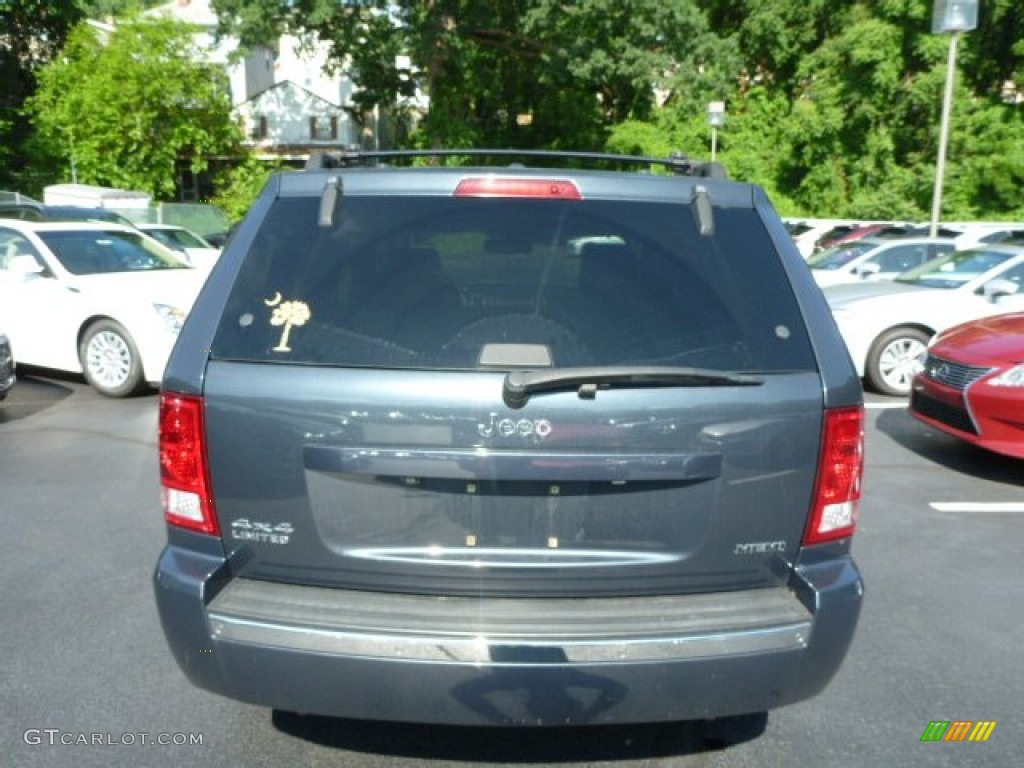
x=999, y=288
x=867, y=270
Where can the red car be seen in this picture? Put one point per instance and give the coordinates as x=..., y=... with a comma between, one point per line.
x=972, y=384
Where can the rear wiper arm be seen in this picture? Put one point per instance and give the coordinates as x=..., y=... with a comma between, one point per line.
x=519, y=385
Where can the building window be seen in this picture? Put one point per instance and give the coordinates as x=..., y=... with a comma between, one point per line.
x=259, y=127
x=323, y=128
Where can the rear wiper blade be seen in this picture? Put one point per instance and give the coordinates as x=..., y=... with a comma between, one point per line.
x=519, y=385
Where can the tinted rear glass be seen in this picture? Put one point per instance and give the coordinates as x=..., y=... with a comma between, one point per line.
x=430, y=281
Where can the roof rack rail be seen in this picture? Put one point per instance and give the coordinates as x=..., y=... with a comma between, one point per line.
x=678, y=163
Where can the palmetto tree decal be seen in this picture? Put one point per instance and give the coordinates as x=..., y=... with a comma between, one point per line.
x=288, y=314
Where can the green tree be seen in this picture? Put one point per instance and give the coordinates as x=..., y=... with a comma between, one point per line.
x=134, y=110
x=861, y=88
x=990, y=182
x=31, y=32
x=508, y=72
x=106, y=9
x=625, y=53
x=833, y=105
x=240, y=185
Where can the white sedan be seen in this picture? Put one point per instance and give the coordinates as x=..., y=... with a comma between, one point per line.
x=875, y=258
x=887, y=325
x=99, y=299
x=198, y=252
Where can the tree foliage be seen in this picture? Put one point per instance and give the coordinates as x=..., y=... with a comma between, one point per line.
x=108, y=9
x=863, y=81
x=832, y=105
x=31, y=32
x=523, y=72
x=129, y=112
x=239, y=185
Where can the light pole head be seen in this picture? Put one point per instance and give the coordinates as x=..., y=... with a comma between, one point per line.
x=954, y=16
x=716, y=114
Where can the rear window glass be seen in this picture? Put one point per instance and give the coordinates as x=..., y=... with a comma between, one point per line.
x=429, y=282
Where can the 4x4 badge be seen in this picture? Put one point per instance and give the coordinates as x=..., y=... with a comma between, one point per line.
x=288, y=314
x=266, y=533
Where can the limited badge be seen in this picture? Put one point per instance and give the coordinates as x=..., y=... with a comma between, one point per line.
x=287, y=314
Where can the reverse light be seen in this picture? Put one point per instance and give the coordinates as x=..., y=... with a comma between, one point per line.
x=184, y=475
x=495, y=186
x=840, y=471
x=1014, y=377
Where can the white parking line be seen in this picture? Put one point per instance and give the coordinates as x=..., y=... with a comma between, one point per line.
x=977, y=506
x=883, y=406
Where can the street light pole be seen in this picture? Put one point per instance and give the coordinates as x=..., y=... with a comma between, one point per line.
x=955, y=17
x=716, y=119
x=71, y=144
x=947, y=109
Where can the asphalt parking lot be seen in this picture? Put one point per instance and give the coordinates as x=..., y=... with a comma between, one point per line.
x=88, y=680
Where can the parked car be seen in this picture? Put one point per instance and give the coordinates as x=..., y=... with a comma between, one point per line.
x=7, y=196
x=6, y=366
x=953, y=231
x=99, y=299
x=844, y=235
x=888, y=229
x=973, y=233
x=218, y=239
x=809, y=232
x=887, y=324
x=31, y=211
x=991, y=234
x=197, y=251
x=972, y=384
x=873, y=258
x=510, y=445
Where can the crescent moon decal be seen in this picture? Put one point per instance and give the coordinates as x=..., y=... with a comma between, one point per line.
x=274, y=301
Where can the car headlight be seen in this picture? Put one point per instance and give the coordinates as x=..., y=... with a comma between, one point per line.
x=1011, y=378
x=173, y=317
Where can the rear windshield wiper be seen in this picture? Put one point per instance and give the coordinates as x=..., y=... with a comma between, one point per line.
x=519, y=385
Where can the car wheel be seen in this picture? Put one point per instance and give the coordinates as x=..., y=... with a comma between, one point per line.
x=894, y=358
x=110, y=360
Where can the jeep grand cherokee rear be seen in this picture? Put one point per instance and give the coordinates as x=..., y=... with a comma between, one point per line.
x=508, y=445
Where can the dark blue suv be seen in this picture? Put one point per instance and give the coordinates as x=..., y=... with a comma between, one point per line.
x=511, y=445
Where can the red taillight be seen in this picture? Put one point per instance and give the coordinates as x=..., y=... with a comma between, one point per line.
x=183, y=470
x=837, y=493
x=493, y=186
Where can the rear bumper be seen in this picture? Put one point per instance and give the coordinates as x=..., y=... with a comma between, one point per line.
x=506, y=662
